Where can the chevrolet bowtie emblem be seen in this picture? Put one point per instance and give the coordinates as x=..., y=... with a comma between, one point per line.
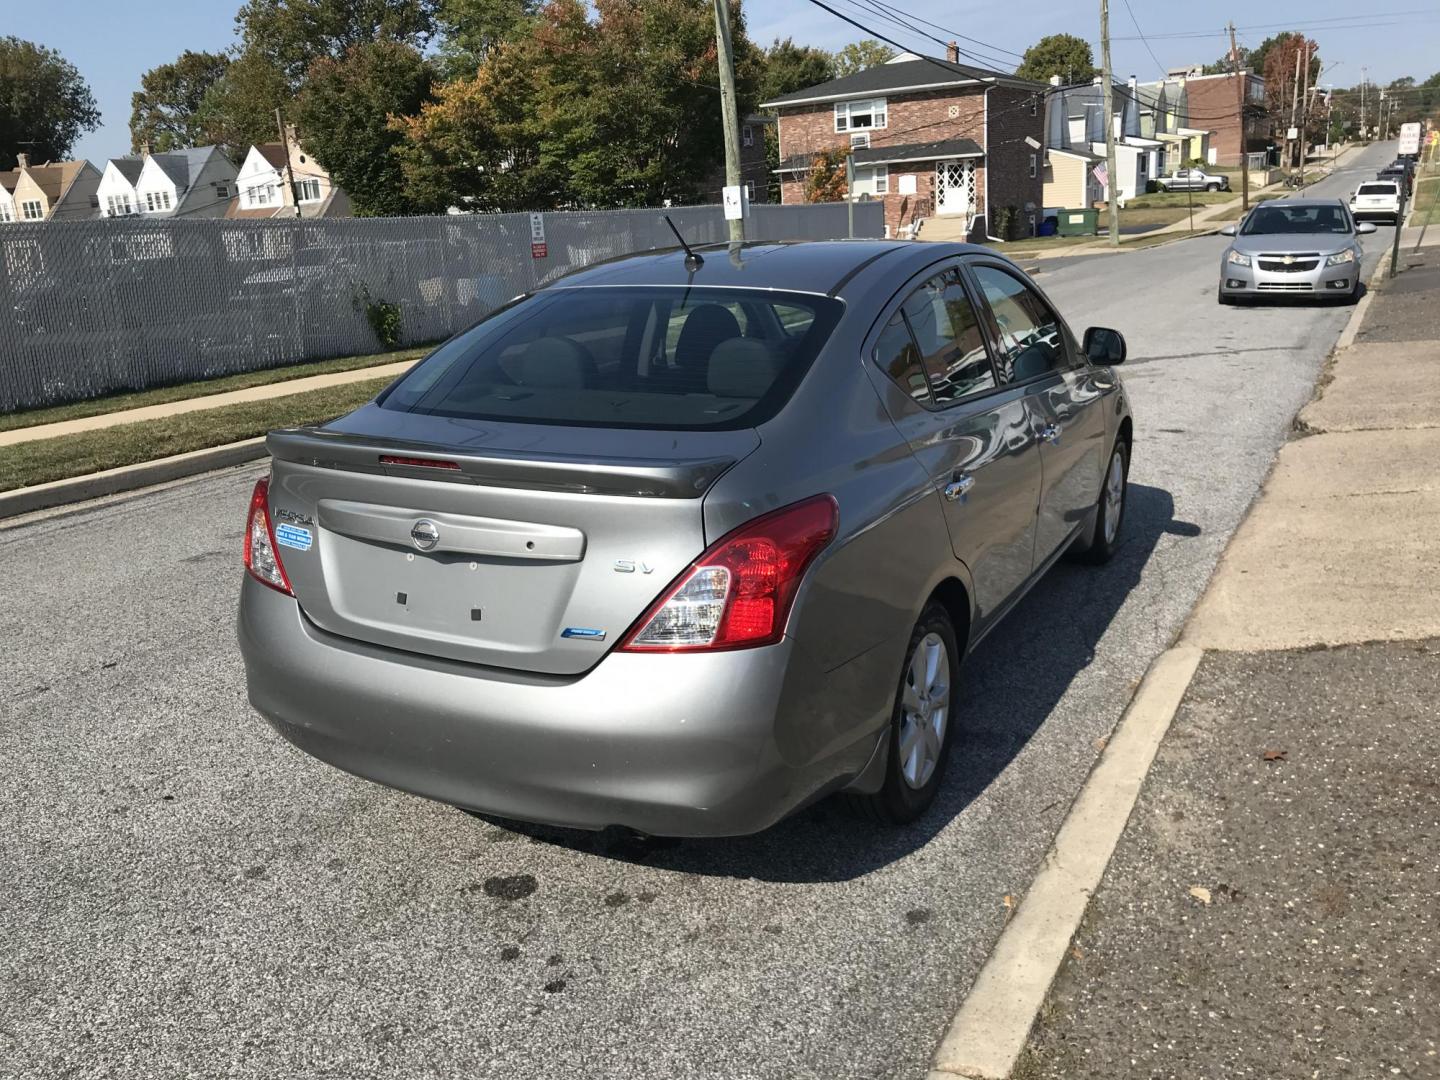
x=1289, y=259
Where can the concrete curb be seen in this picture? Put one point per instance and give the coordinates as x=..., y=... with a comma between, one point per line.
x=128, y=477
x=988, y=1034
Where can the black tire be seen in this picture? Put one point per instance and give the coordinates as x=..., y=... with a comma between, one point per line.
x=899, y=801
x=1100, y=546
x=1212, y=187
x=1226, y=301
x=1162, y=187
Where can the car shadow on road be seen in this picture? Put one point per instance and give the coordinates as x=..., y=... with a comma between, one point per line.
x=1010, y=686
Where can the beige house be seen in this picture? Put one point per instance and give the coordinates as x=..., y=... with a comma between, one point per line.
x=55, y=191
x=264, y=189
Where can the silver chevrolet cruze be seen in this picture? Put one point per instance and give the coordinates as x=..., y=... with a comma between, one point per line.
x=682, y=543
x=1293, y=248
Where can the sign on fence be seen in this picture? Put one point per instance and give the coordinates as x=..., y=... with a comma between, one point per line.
x=93, y=307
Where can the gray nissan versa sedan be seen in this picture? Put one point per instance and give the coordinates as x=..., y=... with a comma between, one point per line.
x=679, y=544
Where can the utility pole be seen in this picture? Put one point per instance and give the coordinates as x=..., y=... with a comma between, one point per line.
x=1305, y=113
x=731, y=117
x=1112, y=211
x=1362, y=103
x=289, y=168
x=1244, y=128
x=1294, y=110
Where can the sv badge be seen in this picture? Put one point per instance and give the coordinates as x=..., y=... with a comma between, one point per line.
x=629, y=566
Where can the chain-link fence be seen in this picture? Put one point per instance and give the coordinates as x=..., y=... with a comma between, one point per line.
x=94, y=307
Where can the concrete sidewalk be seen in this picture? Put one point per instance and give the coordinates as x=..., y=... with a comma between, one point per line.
x=200, y=404
x=1273, y=907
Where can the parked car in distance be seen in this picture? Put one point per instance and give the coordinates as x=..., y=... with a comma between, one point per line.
x=1376, y=199
x=1193, y=180
x=1401, y=174
x=1293, y=247
x=681, y=543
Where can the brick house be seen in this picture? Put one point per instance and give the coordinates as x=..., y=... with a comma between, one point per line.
x=1213, y=97
x=928, y=138
x=754, y=171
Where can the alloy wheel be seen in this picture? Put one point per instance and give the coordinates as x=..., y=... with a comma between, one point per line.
x=924, y=710
x=1114, y=496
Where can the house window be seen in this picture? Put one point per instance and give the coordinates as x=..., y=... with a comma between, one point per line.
x=118, y=205
x=747, y=136
x=860, y=140
x=871, y=180
x=850, y=115
x=750, y=190
x=1034, y=104
x=6, y=214
x=1033, y=163
x=260, y=195
x=31, y=210
x=309, y=190
x=222, y=191
x=156, y=201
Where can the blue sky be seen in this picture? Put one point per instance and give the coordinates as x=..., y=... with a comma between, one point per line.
x=112, y=44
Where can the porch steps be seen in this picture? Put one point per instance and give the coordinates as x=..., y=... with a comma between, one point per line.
x=949, y=229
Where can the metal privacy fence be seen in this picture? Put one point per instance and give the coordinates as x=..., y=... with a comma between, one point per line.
x=94, y=307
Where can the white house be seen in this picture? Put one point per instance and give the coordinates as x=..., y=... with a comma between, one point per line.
x=264, y=187
x=8, y=181
x=198, y=182
x=117, y=186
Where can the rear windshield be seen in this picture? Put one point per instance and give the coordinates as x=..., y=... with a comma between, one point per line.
x=1378, y=189
x=663, y=357
x=1270, y=218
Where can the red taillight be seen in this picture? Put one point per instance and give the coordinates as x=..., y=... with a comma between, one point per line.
x=738, y=593
x=262, y=556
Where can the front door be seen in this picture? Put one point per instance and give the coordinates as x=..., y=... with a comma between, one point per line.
x=1064, y=399
x=955, y=186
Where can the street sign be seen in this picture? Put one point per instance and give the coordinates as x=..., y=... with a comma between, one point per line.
x=538, y=248
x=737, y=205
x=1292, y=133
x=1409, y=138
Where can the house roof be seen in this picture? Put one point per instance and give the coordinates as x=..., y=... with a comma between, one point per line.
x=128, y=167
x=183, y=166
x=9, y=179
x=894, y=78
x=55, y=177
x=1081, y=154
x=927, y=151
x=273, y=152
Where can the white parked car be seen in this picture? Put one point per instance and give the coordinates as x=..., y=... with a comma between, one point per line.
x=1376, y=199
x=1193, y=180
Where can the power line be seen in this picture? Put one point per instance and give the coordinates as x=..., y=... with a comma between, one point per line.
x=957, y=34
x=1136, y=22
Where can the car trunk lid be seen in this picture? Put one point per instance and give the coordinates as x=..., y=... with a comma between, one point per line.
x=531, y=547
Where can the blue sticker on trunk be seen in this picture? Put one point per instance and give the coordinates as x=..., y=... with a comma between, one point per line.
x=293, y=536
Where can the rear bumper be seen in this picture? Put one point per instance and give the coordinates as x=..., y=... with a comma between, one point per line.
x=683, y=745
x=1375, y=213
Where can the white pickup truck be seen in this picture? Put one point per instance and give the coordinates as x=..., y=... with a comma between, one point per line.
x=1193, y=180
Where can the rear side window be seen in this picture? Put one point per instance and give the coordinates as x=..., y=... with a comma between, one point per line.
x=642, y=357
x=1029, y=334
x=900, y=359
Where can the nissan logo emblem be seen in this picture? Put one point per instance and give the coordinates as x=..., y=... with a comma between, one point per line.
x=424, y=534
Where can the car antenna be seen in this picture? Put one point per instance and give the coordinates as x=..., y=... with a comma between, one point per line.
x=693, y=262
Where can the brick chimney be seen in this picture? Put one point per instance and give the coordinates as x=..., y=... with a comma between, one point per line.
x=952, y=51
x=22, y=160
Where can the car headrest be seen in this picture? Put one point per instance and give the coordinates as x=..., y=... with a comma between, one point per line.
x=705, y=327
x=742, y=368
x=554, y=362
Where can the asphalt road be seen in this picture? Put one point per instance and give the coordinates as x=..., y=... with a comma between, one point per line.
x=185, y=894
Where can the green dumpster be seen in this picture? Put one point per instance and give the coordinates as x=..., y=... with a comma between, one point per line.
x=1078, y=222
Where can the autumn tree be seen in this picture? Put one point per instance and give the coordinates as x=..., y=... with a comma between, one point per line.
x=862, y=55
x=1059, y=54
x=343, y=115
x=165, y=111
x=826, y=180
x=45, y=106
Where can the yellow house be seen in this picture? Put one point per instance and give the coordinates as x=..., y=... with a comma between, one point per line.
x=55, y=191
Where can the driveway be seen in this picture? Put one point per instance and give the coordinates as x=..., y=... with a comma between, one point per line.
x=188, y=895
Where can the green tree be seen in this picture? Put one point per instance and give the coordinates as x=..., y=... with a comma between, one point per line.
x=861, y=55
x=1224, y=65
x=469, y=29
x=165, y=111
x=790, y=67
x=1059, y=54
x=291, y=34
x=44, y=103
x=618, y=110
x=343, y=115
x=239, y=108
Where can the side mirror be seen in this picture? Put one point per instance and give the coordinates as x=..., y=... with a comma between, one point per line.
x=1365, y=226
x=1104, y=346
x=1228, y=230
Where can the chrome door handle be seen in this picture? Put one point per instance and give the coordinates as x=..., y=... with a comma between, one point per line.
x=959, y=486
x=1050, y=433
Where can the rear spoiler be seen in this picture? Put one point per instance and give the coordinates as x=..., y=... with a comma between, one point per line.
x=672, y=479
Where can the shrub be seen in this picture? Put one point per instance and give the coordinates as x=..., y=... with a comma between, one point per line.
x=383, y=317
